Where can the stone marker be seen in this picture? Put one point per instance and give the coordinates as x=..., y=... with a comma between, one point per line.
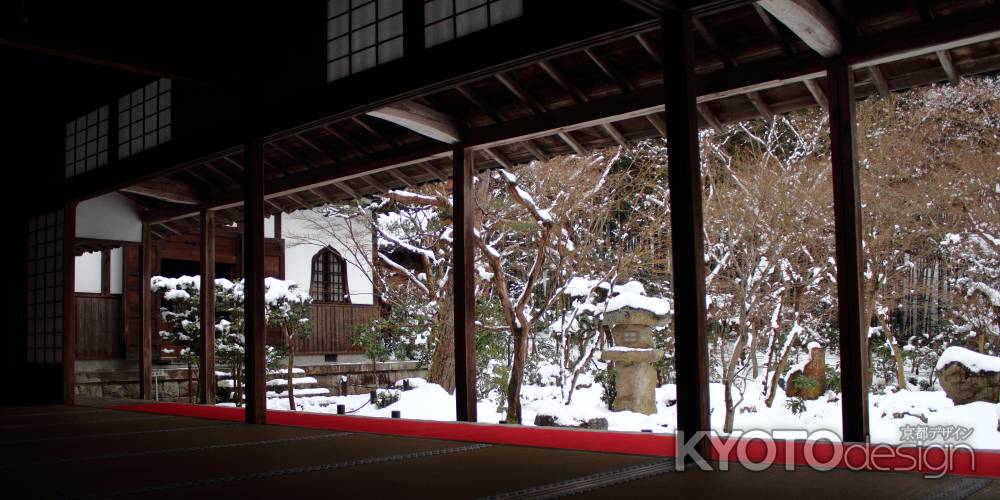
x=968, y=376
x=814, y=369
x=634, y=357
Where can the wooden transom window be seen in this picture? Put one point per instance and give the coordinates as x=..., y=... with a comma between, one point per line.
x=329, y=277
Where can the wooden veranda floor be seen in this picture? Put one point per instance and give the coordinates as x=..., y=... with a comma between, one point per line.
x=88, y=451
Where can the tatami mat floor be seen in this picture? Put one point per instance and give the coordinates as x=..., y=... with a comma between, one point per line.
x=90, y=452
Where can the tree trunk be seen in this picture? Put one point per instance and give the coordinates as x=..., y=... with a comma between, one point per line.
x=730, y=407
x=442, y=369
x=782, y=361
x=516, y=378
x=897, y=354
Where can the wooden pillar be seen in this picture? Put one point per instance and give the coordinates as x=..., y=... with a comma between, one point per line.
x=847, y=227
x=277, y=226
x=69, y=305
x=684, y=175
x=464, y=287
x=253, y=288
x=146, y=314
x=206, y=368
x=105, y=272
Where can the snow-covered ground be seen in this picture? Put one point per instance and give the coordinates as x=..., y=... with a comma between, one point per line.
x=888, y=412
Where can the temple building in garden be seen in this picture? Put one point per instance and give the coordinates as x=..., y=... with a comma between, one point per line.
x=186, y=138
x=302, y=246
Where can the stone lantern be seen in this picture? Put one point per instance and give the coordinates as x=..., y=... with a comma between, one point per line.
x=634, y=357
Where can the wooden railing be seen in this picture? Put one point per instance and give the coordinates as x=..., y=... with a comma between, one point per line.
x=333, y=327
x=99, y=326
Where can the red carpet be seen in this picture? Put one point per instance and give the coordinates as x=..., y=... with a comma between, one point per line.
x=874, y=457
x=543, y=437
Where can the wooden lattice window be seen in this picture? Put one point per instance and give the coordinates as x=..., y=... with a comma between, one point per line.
x=87, y=142
x=144, y=118
x=446, y=20
x=44, y=289
x=329, y=277
x=361, y=34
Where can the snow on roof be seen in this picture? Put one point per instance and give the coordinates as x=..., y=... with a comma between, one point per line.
x=972, y=360
x=658, y=306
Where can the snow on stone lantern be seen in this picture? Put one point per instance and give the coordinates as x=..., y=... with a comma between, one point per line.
x=632, y=317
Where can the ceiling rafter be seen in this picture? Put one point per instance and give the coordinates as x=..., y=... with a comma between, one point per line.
x=421, y=119
x=810, y=21
x=950, y=69
x=709, y=117
x=879, y=81
x=818, y=94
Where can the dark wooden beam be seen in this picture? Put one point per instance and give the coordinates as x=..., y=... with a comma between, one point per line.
x=498, y=157
x=433, y=171
x=772, y=27
x=277, y=226
x=762, y=108
x=146, y=315
x=817, y=93
x=615, y=134
x=572, y=142
x=615, y=76
x=943, y=33
x=710, y=117
x=649, y=48
x=401, y=178
x=105, y=272
x=520, y=93
x=810, y=21
x=69, y=304
x=847, y=227
x=713, y=43
x=421, y=119
x=464, y=286
x=77, y=52
x=658, y=123
x=253, y=271
x=206, y=360
x=166, y=190
x=564, y=82
x=948, y=65
x=535, y=151
x=687, y=247
x=321, y=176
x=878, y=79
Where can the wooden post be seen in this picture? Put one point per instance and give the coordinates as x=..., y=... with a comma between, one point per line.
x=684, y=175
x=105, y=272
x=69, y=304
x=206, y=368
x=253, y=288
x=277, y=226
x=146, y=315
x=464, y=288
x=847, y=227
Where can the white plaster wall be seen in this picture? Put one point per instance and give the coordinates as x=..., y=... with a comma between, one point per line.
x=108, y=217
x=306, y=233
x=88, y=272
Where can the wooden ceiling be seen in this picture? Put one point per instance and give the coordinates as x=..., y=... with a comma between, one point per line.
x=603, y=95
